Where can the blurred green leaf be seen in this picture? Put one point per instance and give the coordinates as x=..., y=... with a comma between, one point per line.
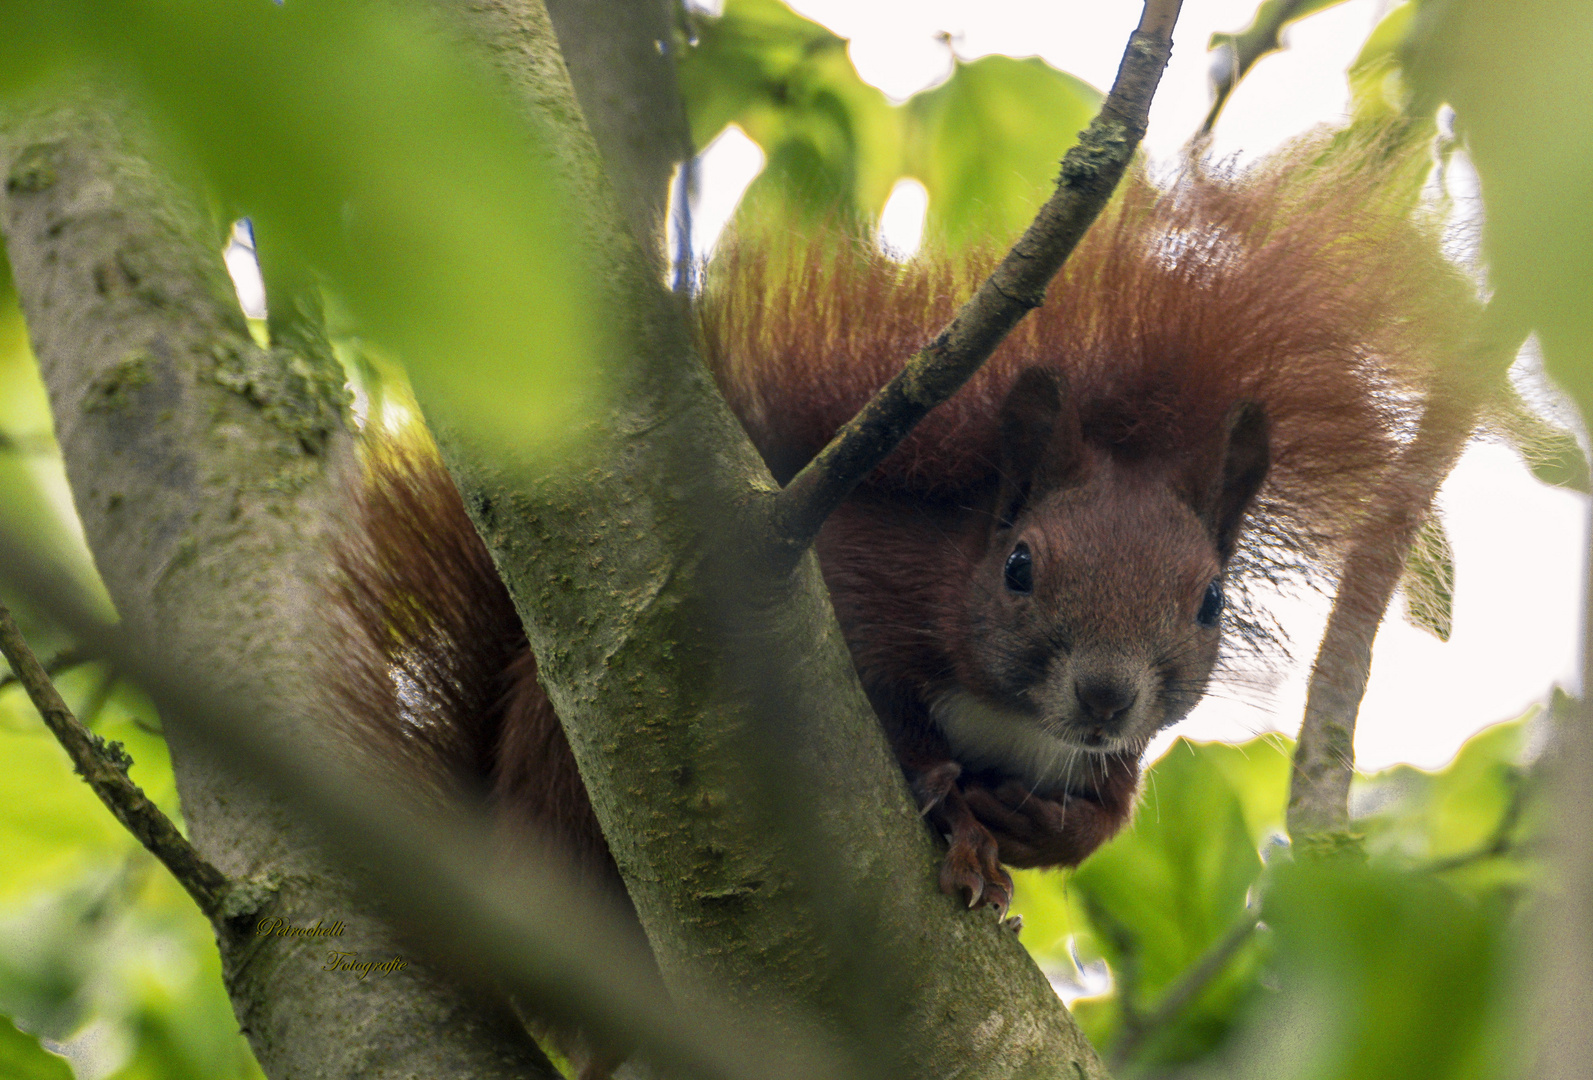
x=832, y=141
x=1179, y=873
x=358, y=137
x=1239, y=51
x=1156, y=900
x=52, y=827
x=1260, y=36
x=1377, y=973
x=988, y=142
x=22, y=1058
x=122, y=955
x=1257, y=773
x=1429, y=580
x=1522, y=89
x=1456, y=818
x=1377, y=84
x=1164, y=892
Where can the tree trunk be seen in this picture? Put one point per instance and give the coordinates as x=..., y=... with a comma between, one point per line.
x=201, y=467
x=759, y=819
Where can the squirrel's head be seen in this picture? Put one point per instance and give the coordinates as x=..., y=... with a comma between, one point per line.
x=1094, y=616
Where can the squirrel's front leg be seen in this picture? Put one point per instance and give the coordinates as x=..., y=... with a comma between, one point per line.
x=1057, y=828
x=972, y=867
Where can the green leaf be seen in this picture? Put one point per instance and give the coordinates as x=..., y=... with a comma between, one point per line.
x=1261, y=36
x=1429, y=580
x=987, y=144
x=832, y=141
x=1166, y=890
x=1178, y=874
x=1549, y=450
x=52, y=827
x=1378, y=90
x=1447, y=817
x=1518, y=78
x=360, y=139
x=1377, y=974
x=22, y=1058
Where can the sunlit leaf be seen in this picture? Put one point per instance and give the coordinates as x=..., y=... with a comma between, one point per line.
x=988, y=144
x=1549, y=450
x=357, y=137
x=1377, y=84
x=832, y=141
x=1429, y=581
x=22, y=1058
x=1518, y=78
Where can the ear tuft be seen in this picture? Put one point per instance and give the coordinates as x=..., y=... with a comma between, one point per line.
x=1042, y=446
x=1247, y=457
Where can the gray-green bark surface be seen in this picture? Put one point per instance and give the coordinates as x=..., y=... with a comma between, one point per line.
x=621, y=59
x=660, y=633
x=201, y=466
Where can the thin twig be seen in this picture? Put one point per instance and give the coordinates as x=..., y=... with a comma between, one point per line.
x=1324, y=758
x=1090, y=172
x=1186, y=990
x=69, y=657
x=104, y=766
x=1237, y=53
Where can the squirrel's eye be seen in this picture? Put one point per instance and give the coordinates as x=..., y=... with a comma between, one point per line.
x=1020, y=570
x=1211, y=604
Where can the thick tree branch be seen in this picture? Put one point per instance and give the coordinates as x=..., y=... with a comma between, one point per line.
x=616, y=560
x=621, y=57
x=201, y=468
x=1090, y=173
x=529, y=927
x=104, y=768
x=1324, y=758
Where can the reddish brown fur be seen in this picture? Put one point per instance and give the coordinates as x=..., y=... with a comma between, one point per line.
x=439, y=678
x=1299, y=288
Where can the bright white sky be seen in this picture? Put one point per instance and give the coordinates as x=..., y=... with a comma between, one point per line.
x=1517, y=543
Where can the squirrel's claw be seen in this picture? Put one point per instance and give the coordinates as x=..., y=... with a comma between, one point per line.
x=932, y=785
x=972, y=867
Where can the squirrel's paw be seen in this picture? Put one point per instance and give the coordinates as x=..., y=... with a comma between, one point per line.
x=1038, y=830
x=972, y=868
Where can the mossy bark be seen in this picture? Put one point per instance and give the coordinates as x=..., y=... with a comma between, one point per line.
x=201, y=466
x=757, y=815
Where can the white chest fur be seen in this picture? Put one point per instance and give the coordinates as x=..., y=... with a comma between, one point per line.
x=984, y=736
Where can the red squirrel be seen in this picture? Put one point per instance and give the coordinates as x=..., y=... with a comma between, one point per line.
x=1038, y=579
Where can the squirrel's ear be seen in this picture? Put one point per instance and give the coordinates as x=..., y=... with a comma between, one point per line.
x=1042, y=446
x=1247, y=455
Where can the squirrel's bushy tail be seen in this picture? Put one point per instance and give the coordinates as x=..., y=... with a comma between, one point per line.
x=435, y=675
x=1307, y=282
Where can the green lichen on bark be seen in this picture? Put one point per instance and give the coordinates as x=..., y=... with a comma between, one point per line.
x=300, y=396
x=33, y=170
x=113, y=389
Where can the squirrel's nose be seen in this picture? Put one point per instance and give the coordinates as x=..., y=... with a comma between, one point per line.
x=1105, y=700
